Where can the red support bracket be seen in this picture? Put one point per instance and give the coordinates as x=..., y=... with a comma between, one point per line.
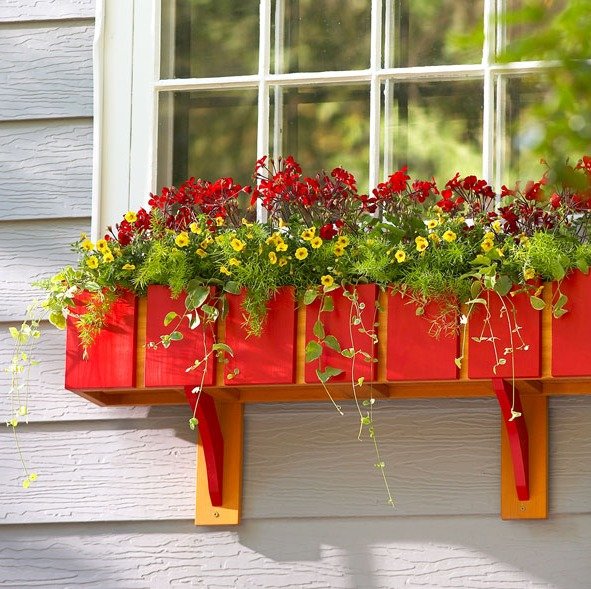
x=516, y=427
x=210, y=433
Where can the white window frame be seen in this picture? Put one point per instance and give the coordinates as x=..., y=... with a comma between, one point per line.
x=127, y=87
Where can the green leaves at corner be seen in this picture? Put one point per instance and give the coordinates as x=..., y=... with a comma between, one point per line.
x=329, y=372
x=313, y=351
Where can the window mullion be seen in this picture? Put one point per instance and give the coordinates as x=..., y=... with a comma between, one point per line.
x=488, y=112
x=374, y=96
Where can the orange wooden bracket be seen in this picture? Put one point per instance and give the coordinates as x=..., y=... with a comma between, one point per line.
x=219, y=459
x=524, y=453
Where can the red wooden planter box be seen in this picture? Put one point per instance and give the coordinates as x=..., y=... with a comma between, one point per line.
x=168, y=366
x=524, y=319
x=338, y=323
x=111, y=357
x=269, y=358
x=413, y=352
x=571, y=333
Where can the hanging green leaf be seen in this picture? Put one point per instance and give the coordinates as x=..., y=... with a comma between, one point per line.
x=313, y=351
x=232, y=287
x=537, y=303
x=196, y=297
x=329, y=372
x=310, y=296
x=170, y=317
x=219, y=347
x=327, y=304
x=332, y=342
x=318, y=330
x=503, y=285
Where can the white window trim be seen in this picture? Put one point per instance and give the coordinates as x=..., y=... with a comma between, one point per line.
x=127, y=87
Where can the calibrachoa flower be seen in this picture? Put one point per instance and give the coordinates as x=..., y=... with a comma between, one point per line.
x=108, y=257
x=400, y=256
x=301, y=253
x=449, y=236
x=237, y=244
x=327, y=280
x=487, y=245
x=128, y=267
x=316, y=242
x=92, y=262
x=131, y=217
x=421, y=243
x=87, y=245
x=182, y=239
x=272, y=257
x=102, y=245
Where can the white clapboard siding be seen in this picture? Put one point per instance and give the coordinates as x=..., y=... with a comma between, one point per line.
x=23, y=10
x=47, y=399
x=46, y=169
x=362, y=553
x=29, y=251
x=48, y=70
x=442, y=459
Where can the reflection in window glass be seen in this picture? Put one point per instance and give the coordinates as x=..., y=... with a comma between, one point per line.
x=320, y=35
x=522, y=131
x=435, y=128
x=425, y=32
x=207, y=134
x=323, y=127
x=208, y=38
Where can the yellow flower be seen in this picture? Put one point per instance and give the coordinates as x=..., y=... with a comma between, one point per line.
x=449, y=236
x=338, y=249
x=301, y=253
x=128, y=267
x=400, y=256
x=316, y=242
x=496, y=226
x=343, y=241
x=219, y=239
x=237, y=244
x=421, y=243
x=234, y=262
x=201, y=253
x=246, y=223
x=194, y=227
x=434, y=237
x=282, y=261
x=225, y=271
x=281, y=247
x=219, y=221
x=182, y=239
x=432, y=223
x=487, y=245
x=327, y=280
x=108, y=257
x=207, y=241
x=308, y=234
x=87, y=245
x=272, y=257
x=529, y=273
x=102, y=245
x=131, y=217
x=92, y=262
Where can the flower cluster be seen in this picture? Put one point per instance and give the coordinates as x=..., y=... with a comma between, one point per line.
x=321, y=231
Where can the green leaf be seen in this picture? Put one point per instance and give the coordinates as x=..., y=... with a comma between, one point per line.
x=196, y=297
x=481, y=260
x=219, y=347
x=310, y=296
x=176, y=336
x=583, y=266
x=503, y=285
x=475, y=289
x=558, y=313
x=476, y=302
x=232, y=287
x=170, y=317
x=193, y=422
x=194, y=320
x=57, y=319
x=318, y=330
x=327, y=304
x=348, y=352
x=537, y=303
x=211, y=312
x=458, y=362
x=324, y=376
x=313, y=351
x=14, y=332
x=333, y=343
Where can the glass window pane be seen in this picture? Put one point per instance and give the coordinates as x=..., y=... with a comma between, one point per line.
x=435, y=128
x=320, y=35
x=323, y=127
x=523, y=131
x=425, y=32
x=208, y=38
x=207, y=134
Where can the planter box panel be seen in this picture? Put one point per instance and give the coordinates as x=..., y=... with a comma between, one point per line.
x=525, y=330
x=270, y=357
x=338, y=323
x=111, y=358
x=413, y=352
x=571, y=333
x=168, y=366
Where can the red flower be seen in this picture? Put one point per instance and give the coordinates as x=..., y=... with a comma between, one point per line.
x=328, y=231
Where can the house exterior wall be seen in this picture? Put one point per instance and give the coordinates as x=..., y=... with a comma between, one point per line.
x=114, y=503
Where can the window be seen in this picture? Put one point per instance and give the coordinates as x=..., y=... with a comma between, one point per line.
x=205, y=87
